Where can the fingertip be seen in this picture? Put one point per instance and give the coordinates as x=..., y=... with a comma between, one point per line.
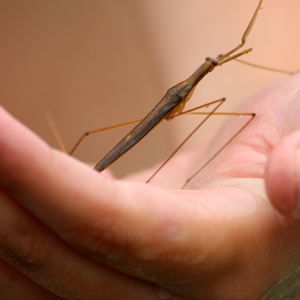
x=282, y=178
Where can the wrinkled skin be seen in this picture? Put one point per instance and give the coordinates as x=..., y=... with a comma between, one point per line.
x=67, y=232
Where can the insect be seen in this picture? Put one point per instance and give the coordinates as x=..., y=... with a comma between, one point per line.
x=173, y=103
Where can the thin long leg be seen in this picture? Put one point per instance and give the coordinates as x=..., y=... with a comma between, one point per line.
x=87, y=133
x=224, y=57
x=267, y=68
x=220, y=102
x=55, y=132
x=251, y=117
x=90, y=132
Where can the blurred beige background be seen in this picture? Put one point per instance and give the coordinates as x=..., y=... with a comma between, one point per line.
x=96, y=63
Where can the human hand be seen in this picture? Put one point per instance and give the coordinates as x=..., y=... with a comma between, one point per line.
x=69, y=232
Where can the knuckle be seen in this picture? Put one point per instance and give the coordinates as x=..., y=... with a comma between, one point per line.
x=25, y=250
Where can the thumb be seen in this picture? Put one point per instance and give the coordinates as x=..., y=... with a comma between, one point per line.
x=282, y=178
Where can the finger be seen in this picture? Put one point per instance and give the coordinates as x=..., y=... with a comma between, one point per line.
x=54, y=186
x=14, y=285
x=45, y=259
x=283, y=175
x=73, y=200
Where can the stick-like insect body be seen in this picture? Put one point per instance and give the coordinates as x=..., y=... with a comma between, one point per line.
x=174, y=101
x=170, y=105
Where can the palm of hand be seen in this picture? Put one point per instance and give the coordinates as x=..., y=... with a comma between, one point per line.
x=236, y=235
x=205, y=242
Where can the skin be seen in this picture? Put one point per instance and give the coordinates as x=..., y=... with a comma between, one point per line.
x=67, y=232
